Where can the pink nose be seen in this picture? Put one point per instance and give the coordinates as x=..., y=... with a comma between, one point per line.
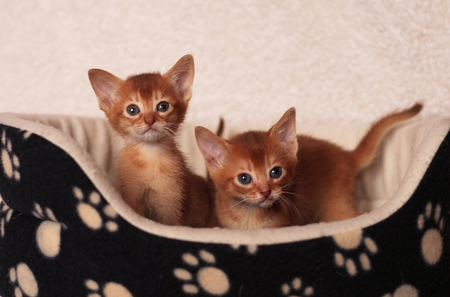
x=149, y=120
x=266, y=193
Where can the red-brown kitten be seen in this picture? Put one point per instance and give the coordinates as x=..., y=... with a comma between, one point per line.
x=276, y=178
x=146, y=110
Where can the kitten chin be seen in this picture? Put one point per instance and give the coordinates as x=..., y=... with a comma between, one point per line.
x=315, y=177
x=151, y=134
x=146, y=111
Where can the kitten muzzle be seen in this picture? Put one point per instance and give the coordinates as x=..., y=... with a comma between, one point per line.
x=266, y=200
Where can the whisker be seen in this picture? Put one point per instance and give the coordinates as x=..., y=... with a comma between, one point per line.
x=301, y=198
x=236, y=204
x=299, y=182
x=291, y=206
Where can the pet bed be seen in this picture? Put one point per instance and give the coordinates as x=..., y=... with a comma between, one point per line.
x=64, y=230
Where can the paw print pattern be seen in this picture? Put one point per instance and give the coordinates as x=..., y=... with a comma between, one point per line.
x=5, y=216
x=251, y=249
x=210, y=279
x=44, y=214
x=110, y=289
x=10, y=161
x=48, y=234
x=404, y=290
x=295, y=288
x=92, y=213
x=24, y=282
x=431, y=224
x=353, y=242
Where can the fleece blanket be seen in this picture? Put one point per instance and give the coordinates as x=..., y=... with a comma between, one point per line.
x=65, y=231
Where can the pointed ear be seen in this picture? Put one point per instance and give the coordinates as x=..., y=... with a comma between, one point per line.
x=213, y=148
x=285, y=131
x=182, y=76
x=105, y=86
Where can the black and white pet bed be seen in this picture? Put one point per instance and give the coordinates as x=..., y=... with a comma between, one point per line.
x=64, y=230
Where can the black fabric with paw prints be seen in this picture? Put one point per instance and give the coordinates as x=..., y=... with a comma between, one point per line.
x=60, y=237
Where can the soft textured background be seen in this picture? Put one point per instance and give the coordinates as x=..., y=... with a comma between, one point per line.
x=337, y=62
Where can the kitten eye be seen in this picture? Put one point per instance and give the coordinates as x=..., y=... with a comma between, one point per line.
x=163, y=106
x=244, y=178
x=133, y=109
x=276, y=172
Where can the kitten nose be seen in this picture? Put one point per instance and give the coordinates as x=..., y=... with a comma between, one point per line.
x=149, y=120
x=266, y=193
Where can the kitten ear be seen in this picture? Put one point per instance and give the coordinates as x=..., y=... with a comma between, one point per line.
x=213, y=148
x=182, y=76
x=285, y=131
x=105, y=86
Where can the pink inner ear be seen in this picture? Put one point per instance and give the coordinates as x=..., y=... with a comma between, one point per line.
x=286, y=132
x=105, y=86
x=213, y=154
x=182, y=75
x=211, y=146
x=184, y=80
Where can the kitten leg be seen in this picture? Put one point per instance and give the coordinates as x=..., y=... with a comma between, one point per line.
x=133, y=195
x=338, y=208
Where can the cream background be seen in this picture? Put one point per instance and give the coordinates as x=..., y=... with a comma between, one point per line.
x=337, y=62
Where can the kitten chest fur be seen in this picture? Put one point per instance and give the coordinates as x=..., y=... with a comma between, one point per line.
x=155, y=174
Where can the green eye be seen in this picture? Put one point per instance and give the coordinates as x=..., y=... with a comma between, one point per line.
x=276, y=172
x=132, y=109
x=163, y=106
x=244, y=178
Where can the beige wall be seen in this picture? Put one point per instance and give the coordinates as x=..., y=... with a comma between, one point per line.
x=337, y=62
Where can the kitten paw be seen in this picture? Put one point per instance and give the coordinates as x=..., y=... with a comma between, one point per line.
x=431, y=224
x=204, y=275
x=354, y=244
x=91, y=212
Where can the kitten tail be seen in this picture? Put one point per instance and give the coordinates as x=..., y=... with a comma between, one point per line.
x=365, y=151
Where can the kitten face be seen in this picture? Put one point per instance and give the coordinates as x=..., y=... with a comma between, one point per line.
x=146, y=110
x=253, y=168
x=255, y=174
x=145, y=107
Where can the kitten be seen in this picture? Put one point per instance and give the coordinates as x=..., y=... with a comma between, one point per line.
x=276, y=178
x=146, y=110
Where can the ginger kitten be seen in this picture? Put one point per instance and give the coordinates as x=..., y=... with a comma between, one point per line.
x=277, y=178
x=146, y=111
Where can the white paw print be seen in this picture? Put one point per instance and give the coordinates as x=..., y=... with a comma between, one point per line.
x=251, y=248
x=295, y=288
x=48, y=234
x=354, y=242
x=90, y=211
x=24, y=282
x=110, y=289
x=431, y=224
x=210, y=279
x=403, y=291
x=10, y=161
x=5, y=216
